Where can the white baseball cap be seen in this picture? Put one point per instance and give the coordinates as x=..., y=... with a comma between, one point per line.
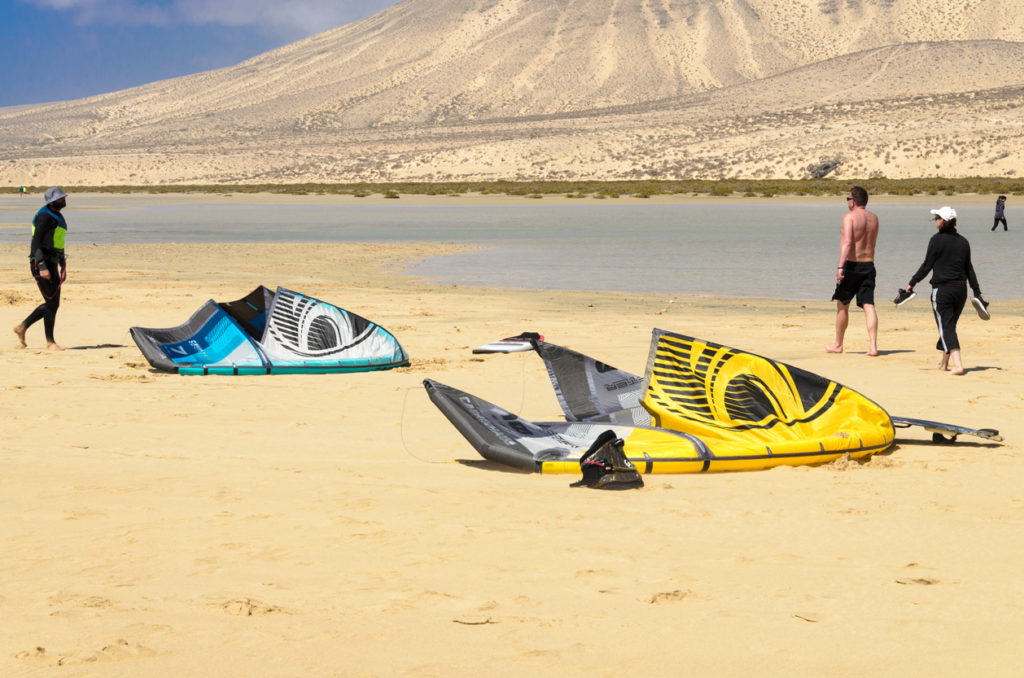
x=947, y=213
x=54, y=194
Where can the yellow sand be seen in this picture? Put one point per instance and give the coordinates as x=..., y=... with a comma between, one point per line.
x=318, y=525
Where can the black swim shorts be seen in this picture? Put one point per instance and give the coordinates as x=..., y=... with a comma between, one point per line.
x=858, y=281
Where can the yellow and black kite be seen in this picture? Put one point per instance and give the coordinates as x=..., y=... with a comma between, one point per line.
x=701, y=406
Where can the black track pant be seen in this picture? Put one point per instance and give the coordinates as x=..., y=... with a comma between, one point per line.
x=947, y=303
x=46, y=311
x=997, y=221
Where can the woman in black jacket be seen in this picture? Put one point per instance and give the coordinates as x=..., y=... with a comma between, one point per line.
x=949, y=259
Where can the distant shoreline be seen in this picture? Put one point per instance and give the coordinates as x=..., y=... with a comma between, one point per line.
x=931, y=189
x=481, y=199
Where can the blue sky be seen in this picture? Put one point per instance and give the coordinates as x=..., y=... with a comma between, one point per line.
x=56, y=50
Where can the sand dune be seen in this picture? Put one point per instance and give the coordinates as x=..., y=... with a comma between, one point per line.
x=478, y=89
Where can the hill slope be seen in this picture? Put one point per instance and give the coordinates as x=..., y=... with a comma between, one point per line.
x=431, y=79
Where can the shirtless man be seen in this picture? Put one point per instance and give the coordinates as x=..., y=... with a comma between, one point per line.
x=855, y=274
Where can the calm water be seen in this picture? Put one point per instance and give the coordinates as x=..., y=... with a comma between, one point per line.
x=779, y=249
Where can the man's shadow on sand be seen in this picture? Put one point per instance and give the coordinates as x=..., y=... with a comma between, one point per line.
x=977, y=368
x=96, y=346
x=982, y=368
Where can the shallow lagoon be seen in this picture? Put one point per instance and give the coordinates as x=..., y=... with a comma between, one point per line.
x=775, y=249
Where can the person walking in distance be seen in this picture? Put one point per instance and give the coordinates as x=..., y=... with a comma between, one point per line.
x=47, y=265
x=1000, y=213
x=855, y=270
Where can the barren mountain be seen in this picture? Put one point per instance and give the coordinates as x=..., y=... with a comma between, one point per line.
x=478, y=89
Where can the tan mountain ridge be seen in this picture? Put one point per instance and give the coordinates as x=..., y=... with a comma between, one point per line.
x=534, y=89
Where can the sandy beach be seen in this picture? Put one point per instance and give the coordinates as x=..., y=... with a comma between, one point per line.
x=321, y=525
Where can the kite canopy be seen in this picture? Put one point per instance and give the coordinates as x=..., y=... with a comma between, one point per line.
x=266, y=332
x=700, y=407
x=752, y=410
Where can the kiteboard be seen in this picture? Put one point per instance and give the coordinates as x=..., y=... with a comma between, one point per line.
x=521, y=342
x=946, y=433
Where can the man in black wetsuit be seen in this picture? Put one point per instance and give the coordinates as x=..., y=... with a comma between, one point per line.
x=949, y=259
x=47, y=264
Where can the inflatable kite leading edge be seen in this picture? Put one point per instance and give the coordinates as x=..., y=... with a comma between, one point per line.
x=700, y=407
x=266, y=332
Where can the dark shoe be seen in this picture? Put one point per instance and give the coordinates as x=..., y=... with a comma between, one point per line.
x=903, y=297
x=981, y=306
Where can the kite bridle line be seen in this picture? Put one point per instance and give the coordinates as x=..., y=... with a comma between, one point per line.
x=401, y=432
x=401, y=422
x=60, y=283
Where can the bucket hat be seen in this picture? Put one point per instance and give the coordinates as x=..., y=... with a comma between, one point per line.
x=54, y=194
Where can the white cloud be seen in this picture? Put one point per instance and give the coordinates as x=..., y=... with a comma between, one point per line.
x=301, y=16
x=291, y=18
x=112, y=12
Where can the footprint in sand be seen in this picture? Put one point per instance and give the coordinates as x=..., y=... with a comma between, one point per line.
x=71, y=606
x=119, y=650
x=134, y=378
x=13, y=299
x=668, y=597
x=921, y=581
x=474, y=620
x=249, y=607
x=37, y=657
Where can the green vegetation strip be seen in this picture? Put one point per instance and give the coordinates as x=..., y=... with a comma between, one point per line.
x=592, y=189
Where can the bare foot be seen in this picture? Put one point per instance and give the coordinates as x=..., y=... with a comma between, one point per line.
x=20, y=330
x=873, y=352
x=956, y=371
x=52, y=346
x=833, y=348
